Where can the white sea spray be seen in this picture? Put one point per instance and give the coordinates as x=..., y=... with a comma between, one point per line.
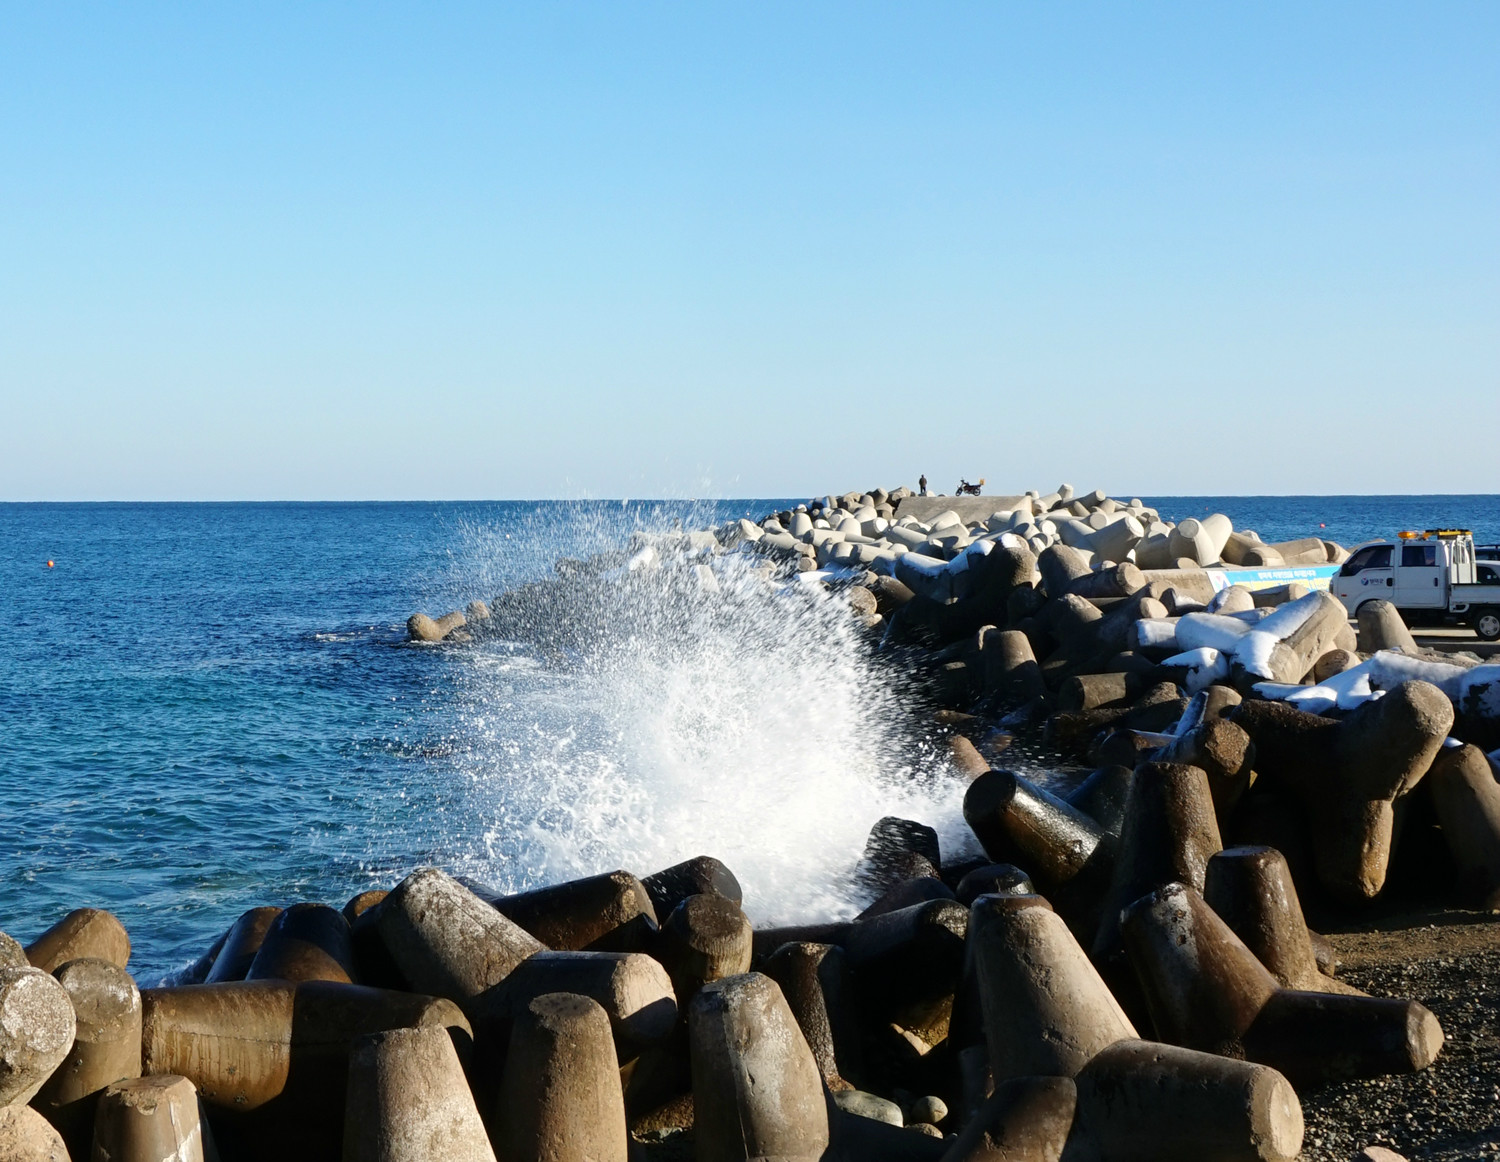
x=637, y=718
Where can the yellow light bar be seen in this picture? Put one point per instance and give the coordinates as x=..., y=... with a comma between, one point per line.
x=1406, y=535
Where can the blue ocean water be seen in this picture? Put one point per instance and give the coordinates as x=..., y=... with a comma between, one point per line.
x=205, y=707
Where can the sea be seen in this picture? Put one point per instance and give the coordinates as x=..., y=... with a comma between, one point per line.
x=209, y=707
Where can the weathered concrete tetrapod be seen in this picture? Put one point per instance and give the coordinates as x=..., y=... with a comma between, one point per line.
x=1017, y=821
x=1026, y=1119
x=305, y=942
x=896, y=849
x=814, y=980
x=150, y=1119
x=1102, y=796
x=82, y=932
x=106, y=1047
x=12, y=955
x=560, y=1097
x=907, y=964
x=1381, y=628
x=445, y=940
x=1139, y=1101
x=993, y=879
x=358, y=905
x=36, y=1031
x=605, y=913
x=1317, y=1037
x=1467, y=799
x=241, y=943
x=1347, y=773
x=238, y=1042
x=703, y=875
x=633, y=990
x=26, y=1136
x=756, y=1088
x=1251, y=890
x=422, y=628
x=1203, y=986
x=1046, y=1009
x=408, y=1101
x=1170, y=831
x=1011, y=672
x=1207, y=991
x=1224, y=752
x=706, y=938
x=905, y=893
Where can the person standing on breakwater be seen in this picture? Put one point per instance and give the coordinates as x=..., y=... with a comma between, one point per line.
x=922, y=484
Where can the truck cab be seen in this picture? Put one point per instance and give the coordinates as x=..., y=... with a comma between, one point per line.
x=1431, y=577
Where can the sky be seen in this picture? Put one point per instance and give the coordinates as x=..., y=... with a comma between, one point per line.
x=442, y=251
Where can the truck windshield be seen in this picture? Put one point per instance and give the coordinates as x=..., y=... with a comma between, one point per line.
x=1370, y=557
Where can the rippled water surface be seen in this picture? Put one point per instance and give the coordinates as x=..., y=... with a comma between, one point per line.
x=208, y=707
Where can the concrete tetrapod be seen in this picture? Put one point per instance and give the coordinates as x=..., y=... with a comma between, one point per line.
x=604, y=913
x=150, y=1119
x=1169, y=833
x=305, y=942
x=271, y=1058
x=83, y=932
x=893, y=847
x=36, y=1031
x=907, y=964
x=1102, y=797
x=1206, y=990
x=815, y=982
x=1026, y=1119
x=993, y=879
x=1046, y=1009
x=1381, y=628
x=702, y=875
x=756, y=1089
x=12, y=955
x=1467, y=799
x=242, y=1044
x=26, y=1136
x=1139, y=1101
x=445, y=940
x=408, y=1101
x=1224, y=752
x=1018, y=821
x=106, y=1047
x=560, y=1097
x=241, y=944
x=632, y=988
x=905, y=893
x=706, y=938
x=1347, y=774
x=1011, y=672
x=1203, y=986
x=1251, y=890
x=1316, y=1037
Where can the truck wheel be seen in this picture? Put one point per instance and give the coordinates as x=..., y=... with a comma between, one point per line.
x=1486, y=623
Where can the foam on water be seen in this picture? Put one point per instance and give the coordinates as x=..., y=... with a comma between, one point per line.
x=751, y=724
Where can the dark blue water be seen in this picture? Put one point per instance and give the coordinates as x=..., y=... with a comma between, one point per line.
x=208, y=707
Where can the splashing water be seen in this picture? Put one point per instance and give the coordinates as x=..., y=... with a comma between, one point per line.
x=669, y=716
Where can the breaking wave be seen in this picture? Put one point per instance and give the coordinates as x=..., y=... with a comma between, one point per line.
x=640, y=711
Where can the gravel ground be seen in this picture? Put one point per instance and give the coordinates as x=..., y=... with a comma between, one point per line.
x=1450, y=961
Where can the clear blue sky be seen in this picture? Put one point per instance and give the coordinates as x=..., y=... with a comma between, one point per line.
x=368, y=251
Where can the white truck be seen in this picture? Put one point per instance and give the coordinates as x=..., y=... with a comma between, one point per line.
x=1433, y=577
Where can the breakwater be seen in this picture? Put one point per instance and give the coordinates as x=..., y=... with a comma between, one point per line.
x=926, y=1007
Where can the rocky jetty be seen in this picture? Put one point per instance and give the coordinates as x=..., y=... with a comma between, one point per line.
x=1125, y=973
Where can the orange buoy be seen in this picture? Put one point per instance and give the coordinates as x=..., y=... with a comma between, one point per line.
x=49, y=564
